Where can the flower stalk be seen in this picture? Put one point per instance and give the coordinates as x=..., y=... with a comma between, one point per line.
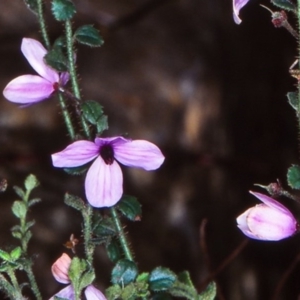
x=87, y=232
x=73, y=73
x=122, y=236
x=42, y=23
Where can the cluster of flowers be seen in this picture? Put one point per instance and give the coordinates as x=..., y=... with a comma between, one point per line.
x=104, y=179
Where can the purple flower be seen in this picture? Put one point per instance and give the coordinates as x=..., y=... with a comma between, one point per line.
x=237, y=6
x=269, y=221
x=104, y=179
x=27, y=89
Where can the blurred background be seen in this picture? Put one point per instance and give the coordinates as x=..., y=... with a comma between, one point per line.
x=209, y=93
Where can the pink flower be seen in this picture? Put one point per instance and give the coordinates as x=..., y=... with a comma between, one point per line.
x=60, y=272
x=27, y=89
x=61, y=267
x=237, y=6
x=269, y=221
x=104, y=179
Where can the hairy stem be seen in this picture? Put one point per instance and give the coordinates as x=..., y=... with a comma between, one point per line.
x=87, y=231
x=73, y=73
x=33, y=284
x=66, y=116
x=121, y=234
x=43, y=23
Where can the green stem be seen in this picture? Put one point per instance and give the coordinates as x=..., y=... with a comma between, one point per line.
x=66, y=116
x=121, y=234
x=87, y=232
x=6, y=287
x=15, y=283
x=73, y=73
x=42, y=23
x=33, y=284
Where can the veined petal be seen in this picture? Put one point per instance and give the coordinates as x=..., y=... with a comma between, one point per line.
x=67, y=293
x=75, y=155
x=271, y=202
x=271, y=224
x=138, y=153
x=27, y=89
x=117, y=140
x=103, y=183
x=34, y=52
x=60, y=268
x=243, y=225
x=64, y=78
x=237, y=5
x=91, y=293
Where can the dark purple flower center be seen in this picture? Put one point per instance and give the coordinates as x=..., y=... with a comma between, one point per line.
x=107, y=153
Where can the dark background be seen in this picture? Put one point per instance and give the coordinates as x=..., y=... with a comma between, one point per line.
x=209, y=93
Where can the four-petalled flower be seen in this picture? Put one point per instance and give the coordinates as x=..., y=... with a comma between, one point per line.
x=60, y=270
x=237, y=6
x=269, y=221
x=28, y=89
x=104, y=179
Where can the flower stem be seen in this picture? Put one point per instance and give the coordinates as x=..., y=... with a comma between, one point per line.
x=42, y=23
x=17, y=291
x=66, y=116
x=87, y=232
x=33, y=284
x=122, y=236
x=73, y=73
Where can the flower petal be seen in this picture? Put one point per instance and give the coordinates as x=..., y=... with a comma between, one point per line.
x=243, y=225
x=91, y=293
x=237, y=5
x=66, y=293
x=75, y=155
x=34, y=52
x=60, y=268
x=28, y=89
x=268, y=223
x=103, y=183
x=138, y=153
x=271, y=202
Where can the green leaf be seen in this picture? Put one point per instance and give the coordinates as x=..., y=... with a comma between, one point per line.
x=113, y=250
x=31, y=182
x=16, y=234
x=161, y=296
x=285, y=4
x=124, y=272
x=16, y=253
x=102, y=124
x=113, y=292
x=29, y=224
x=77, y=267
x=74, y=201
x=143, y=277
x=86, y=279
x=57, y=60
x=19, y=209
x=293, y=99
x=105, y=228
x=293, y=177
x=161, y=279
x=130, y=208
x=77, y=170
x=32, y=5
x=63, y=10
x=89, y=36
x=209, y=293
x=33, y=201
x=19, y=192
x=4, y=255
x=185, y=278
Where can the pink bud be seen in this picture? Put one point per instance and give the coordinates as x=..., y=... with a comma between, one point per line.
x=60, y=269
x=270, y=221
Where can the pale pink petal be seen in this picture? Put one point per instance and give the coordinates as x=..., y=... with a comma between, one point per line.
x=66, y=293
x=75, y=155
x=103, y=183
x=237, y=6
x=243, y=225
x=138, y=153
x=60, y=268
x=28, y=89
x=271, y=202
x=271, y=224
x=91, y=293
x=34, y=52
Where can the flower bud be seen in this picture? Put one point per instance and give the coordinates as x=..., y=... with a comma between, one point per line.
x=61, y=267
x=269, y=221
